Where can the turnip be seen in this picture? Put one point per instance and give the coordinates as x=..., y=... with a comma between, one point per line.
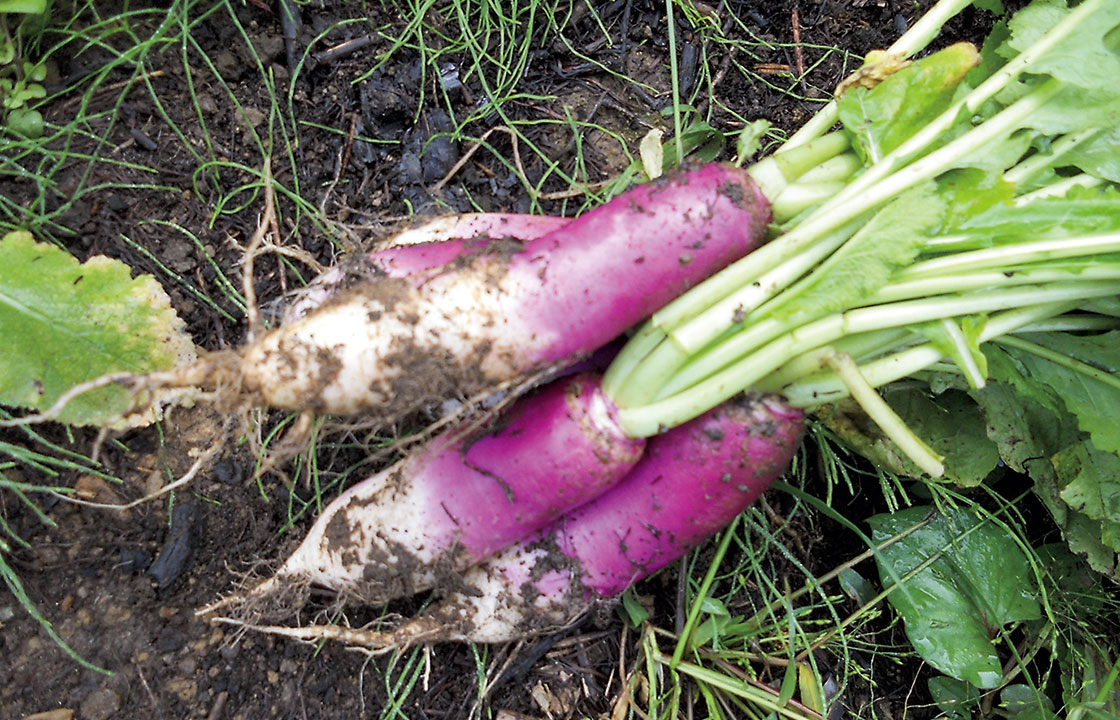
x=460, y=499
x=692, y=481
x=395, y=342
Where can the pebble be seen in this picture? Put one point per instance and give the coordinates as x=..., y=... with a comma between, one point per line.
x=100, y=705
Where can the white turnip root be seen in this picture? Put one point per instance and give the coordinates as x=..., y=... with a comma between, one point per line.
x=692, y=481
x=458, y=500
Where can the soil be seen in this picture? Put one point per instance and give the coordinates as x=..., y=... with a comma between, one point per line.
x=121, y=588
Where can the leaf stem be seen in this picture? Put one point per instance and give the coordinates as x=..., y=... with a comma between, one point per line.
x=881, y=413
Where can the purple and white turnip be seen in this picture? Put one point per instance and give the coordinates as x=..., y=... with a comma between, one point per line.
x=459, y=499
x=423, y=322
x=691, y=481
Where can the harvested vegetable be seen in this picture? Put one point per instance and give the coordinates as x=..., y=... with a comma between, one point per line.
x=967, y=199
x=692, y=481
x=460, y=499
x=388, y=346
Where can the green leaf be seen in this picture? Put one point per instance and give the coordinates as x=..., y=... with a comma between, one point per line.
x=30, y=7
x=968, y=192
x=1099, y=156
x=64, y=323
x=890, y=240
x=951, y=424
x=1029, y=426
x=749, y=140
x=1094, y=398
x=885, y=116
x=856, y=586
x=955, y=607
x=1090, y=484
x=1082, y=211
x=1085, y=58
x=28, y=123
x=1025, y=703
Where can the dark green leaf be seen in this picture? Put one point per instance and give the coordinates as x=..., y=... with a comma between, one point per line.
x=979, y=582
x=1023, y=702
x=1093, y=398
x=1029, y=426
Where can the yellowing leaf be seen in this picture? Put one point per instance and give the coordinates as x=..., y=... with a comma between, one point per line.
x=64, y=323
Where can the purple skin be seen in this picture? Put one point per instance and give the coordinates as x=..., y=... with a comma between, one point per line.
x=459, y=500
x=392, y=345
x=438, y=243
x=633, y=255
x=693, y=481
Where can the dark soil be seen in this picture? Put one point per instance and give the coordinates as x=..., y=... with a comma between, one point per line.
x=122, y=588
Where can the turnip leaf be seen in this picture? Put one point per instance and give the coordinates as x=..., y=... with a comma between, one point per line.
x=1086, y=384
x=1090, y=484
x=1030, y=427
x=887, y=242
x=64, y=323
x=883, y=117
x=950, y=423
x=954, y=607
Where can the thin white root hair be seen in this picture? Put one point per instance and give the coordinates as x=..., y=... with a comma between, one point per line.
x=373, y=642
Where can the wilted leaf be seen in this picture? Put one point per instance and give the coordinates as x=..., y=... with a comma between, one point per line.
x=64, y=323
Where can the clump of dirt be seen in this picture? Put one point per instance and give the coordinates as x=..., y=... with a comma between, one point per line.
x=170, y=192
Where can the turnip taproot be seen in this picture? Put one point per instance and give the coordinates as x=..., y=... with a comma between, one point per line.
x=692, y=481
x=460, y=499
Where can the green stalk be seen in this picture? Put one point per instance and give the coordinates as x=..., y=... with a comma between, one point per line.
x=684, y=372
x=1009, y=276
x=635, y=350
x=882, y=415
x=1016, y=254
x=815, y=238
x=648, y=420
x=1060, y=188
x=812, y=391
x=1035, y=164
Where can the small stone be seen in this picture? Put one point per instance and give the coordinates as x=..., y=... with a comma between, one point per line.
x=94, y=489
x=255, y=117
x=185, y=688
x=288, y=667
x=100, y=705
x=273, y=677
